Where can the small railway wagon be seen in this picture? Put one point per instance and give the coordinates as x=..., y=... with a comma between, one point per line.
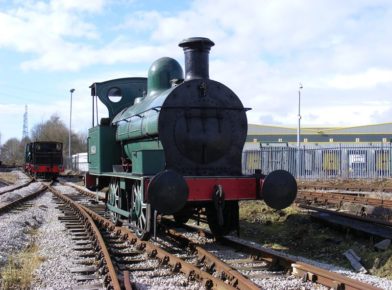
x=44, y=159
x=172, y=145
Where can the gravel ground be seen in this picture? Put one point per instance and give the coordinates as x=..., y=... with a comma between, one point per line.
x=370, y=279
x=52, y=236
x=264, y=278
x=15, y=226
x=54, y=272
x=159, y=277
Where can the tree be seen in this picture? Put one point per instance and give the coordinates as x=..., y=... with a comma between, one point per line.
x=52, y=130
x=11, y=152
x=55, y=130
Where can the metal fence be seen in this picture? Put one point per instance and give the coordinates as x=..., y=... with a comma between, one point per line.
x=346, y=161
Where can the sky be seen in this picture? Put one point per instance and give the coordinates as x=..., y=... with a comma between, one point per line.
x=341, y=52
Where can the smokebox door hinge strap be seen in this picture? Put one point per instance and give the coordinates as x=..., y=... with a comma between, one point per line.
x=203, y=90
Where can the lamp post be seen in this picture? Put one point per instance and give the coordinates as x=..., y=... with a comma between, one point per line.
x=299, y=129
x=70, y=128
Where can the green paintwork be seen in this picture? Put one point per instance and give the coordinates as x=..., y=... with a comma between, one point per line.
x=144, y=124
x=141, y=119
x=151, y=148
x=161, y=73
x=117, y=210
x=123, y=184
x=131, y=88
x=103, y=150
x=148, y=162
x=136, y=119
x=153, y=144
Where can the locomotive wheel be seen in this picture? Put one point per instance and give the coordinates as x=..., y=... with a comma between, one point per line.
x=183, y=216
x=142, y=212
x=181, y=219
x=230, y=213
x=114, y=200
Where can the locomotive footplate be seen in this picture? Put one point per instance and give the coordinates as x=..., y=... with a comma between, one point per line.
x=235, y=188
x=278, y=188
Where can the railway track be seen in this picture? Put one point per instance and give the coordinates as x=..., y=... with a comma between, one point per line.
x=147, y=256
x=337, y=199
x=349, y=209
x=121, y=260
x=13, y=201
x=346, y=187
x=12, y=187
x=80, y=222
x=257, y=257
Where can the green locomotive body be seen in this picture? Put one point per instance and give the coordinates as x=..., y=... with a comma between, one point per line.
x=172, y=144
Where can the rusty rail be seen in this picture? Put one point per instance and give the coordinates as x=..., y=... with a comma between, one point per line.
x=14, y=203
x=327, y=278
x=83, y=191
x=338, y=198
x=233, y=277
x=177, y=264
x=281, y=260
x=348, y=187
x=348, y=215
x=17, y=187
x=110, y=280
x=306, y=271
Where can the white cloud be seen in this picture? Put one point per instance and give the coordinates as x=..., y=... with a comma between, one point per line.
x=368, y=79
x=265, y=48
x=43, y=28
x=77, y=5
x=339, y=50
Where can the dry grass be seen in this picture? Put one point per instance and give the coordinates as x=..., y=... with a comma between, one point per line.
x=291, y=230
x=18, y=273
x=8, y=177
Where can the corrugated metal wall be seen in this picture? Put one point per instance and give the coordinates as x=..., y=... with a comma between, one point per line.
x=322, y=162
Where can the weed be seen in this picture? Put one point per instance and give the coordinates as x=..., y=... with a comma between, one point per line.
x=18, y=273
x=293, y=231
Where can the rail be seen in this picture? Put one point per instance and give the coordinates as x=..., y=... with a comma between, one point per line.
x=8, y=206
x=304, y=270
x=16, y=187
x=109, y=268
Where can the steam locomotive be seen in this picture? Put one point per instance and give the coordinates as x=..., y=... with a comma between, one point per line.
x=172, y=145
x=43, y=159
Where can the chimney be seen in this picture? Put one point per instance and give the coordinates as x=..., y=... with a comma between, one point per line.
x=196, y=50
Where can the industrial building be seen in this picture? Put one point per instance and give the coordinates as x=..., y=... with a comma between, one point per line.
x=380, y=133
x=345, y=152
